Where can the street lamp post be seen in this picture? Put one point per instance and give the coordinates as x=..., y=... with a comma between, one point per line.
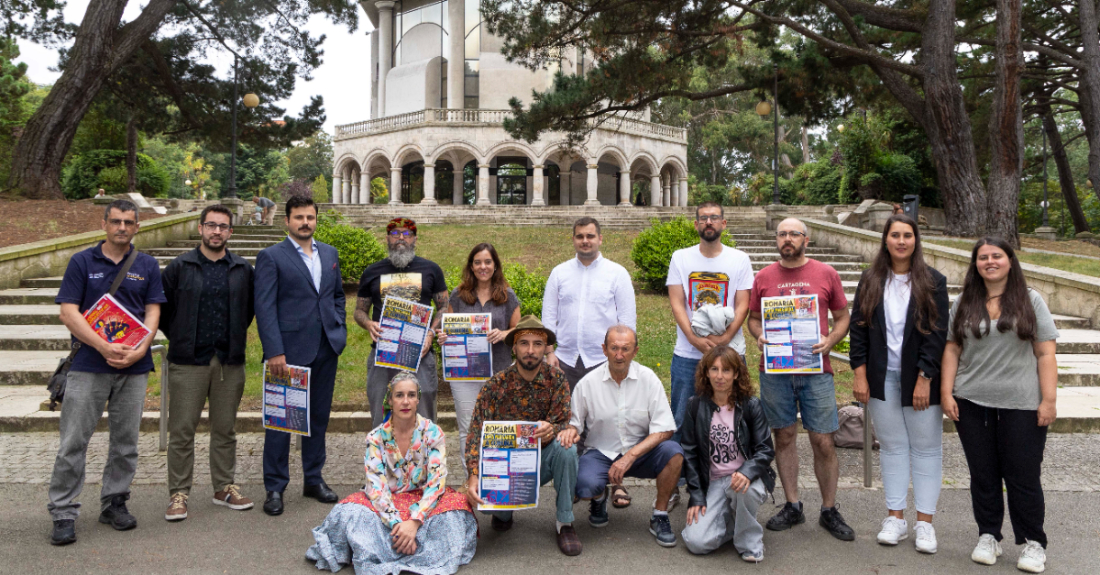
x=1045, y=231
x=250, y=101
x=775, y=158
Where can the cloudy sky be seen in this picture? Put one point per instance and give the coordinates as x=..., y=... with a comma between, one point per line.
x=342, y=79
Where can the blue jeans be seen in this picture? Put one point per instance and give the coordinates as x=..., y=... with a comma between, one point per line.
x=912, y=445
x=594, y=466
x=785, y=395
x=559, y=464
x=683, y=388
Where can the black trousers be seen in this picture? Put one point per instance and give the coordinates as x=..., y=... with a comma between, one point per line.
x=277, y=443
x=1004, y=446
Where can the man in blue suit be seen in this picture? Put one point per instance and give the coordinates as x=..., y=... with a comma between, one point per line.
x=301, y=317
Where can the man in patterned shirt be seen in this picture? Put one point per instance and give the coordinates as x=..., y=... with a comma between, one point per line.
x=530, y=390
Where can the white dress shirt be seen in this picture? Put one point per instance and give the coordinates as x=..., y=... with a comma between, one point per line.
x=895, y=304
x=619, y=416
x=313, y=264
x=581, y=302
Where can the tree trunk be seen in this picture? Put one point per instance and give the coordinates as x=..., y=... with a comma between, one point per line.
x=948, y=125
x=805, y=145
x=1089, y=86
x=1006, y=126
x=131, y=154
x=101, y=46
x=1065, y=175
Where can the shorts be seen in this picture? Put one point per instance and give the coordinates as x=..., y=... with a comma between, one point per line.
x=785, y=395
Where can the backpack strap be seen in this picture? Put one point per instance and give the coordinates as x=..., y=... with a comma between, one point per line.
x=122, y=272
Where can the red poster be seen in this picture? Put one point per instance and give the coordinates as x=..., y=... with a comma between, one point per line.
x=114, y=323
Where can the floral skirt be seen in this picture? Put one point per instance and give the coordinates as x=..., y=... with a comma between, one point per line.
x=354, y=534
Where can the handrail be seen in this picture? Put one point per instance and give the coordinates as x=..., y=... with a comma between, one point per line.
x=868, y=436
x=163, y=351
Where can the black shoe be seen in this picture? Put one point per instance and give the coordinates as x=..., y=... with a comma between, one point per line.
x=64, y=532
x=835, y=525
x=273, y=503
x=116, y=515
x=597, y=512
x=320, y=492
x=499, y=524
x=787, y=517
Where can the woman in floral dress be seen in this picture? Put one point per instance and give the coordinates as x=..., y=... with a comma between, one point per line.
x=406, y=519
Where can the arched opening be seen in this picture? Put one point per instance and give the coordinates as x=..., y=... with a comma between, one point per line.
x=511, y=176
x=444, y=182
x=553, y=187
x=412, y=182
x=469, y=183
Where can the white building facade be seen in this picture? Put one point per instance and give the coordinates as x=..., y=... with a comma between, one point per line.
x=439, y=95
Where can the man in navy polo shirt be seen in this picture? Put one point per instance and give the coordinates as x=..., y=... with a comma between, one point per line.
x=102, y=373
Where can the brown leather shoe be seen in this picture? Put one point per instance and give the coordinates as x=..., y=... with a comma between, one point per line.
x=500, y=524
x=568, y=541
x=231, y=497
x=177, y=507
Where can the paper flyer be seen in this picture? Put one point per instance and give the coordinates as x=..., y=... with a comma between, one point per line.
x=114, y=323
x=405, y=324
x=509, y=473
x=467, y=354
x=286, y=400
x=792, y=329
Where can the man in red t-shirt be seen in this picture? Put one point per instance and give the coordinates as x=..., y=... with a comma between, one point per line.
x=814, y=395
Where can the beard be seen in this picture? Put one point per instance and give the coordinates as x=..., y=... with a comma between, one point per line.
x=214, y=248
x=531, y=364
x=709, y=234
x=401, y=256
x=796, y=254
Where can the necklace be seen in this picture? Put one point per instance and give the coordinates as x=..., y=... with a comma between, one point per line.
x=988, y=299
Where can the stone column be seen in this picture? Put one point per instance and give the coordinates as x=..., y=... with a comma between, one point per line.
x=429, y=185
x=337, y=195
x=456, y=65
x=456, y=192
x=385, y=49
x=345, y=191
x=483, y=185
x=683, y=192
x=395, y=186
x=538, y=185
x=624, y=189
x=666, y=193
x=354, y=189
x=654, y=191
x=364, y=188
x=593, y=186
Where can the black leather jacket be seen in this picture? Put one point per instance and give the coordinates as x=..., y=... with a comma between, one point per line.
x=754, y=440
x=182, y=281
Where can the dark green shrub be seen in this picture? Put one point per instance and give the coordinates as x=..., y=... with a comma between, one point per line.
x=358, y=248
x=529, y=286
x=107, y=169
x=653, y=248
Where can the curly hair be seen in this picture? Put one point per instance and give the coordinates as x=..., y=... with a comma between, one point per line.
x=742, y=383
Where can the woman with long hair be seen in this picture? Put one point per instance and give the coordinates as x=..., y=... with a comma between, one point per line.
x=728, y=454
x=483, y=289
x=999, y=383
x=899, y=329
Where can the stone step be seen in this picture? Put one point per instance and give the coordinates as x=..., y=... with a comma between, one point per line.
x=173, y=253
x=234, y=243
x=1070, y=322
x=47, y=282
x=30, y=314
x=850, y=288
x=771, y=251
x=1078, y=370
x=823, y=258
x=29, y=295
x=40, y=338
x=29, y=367
x=848, y=266
x=1078, y=341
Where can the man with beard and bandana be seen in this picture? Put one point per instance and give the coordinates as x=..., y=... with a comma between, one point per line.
x=530, y=390
x=302, y=319
x=409, y=276
x=785, y=396
x=206, y=319
x=709, y=273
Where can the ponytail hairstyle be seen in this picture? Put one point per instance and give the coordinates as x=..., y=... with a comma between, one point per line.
x=921, y=283
x=1016, y=311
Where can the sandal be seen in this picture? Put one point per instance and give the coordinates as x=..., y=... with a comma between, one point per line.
x=618, y=494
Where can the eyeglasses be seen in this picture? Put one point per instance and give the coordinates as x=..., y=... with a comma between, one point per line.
x=122, y=223
x=792, y=235
x=705, y=219
x=400, y=233
x=211, y=226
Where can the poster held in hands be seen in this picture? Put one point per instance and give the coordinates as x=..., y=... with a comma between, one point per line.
x=404, y=325
x=509, y=469
x=286, y=400
x=791, y=329
x=114, y=323
x=467, y=355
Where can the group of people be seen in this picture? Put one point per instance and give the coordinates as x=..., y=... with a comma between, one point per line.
x=601, y=416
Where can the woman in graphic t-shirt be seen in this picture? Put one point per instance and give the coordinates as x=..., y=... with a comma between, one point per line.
x=899, y=329
x=727, y=458
x=1000, y=378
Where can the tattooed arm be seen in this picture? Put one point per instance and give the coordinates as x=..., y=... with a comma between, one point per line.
x=442, y=301
x=362, y=317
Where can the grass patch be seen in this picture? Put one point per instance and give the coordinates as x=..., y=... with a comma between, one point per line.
x=1067, y=262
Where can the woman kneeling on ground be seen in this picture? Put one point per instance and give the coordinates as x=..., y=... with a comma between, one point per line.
x=728, y=454
x=407, y=519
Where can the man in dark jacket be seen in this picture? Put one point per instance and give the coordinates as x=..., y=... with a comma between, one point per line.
x=210, y=306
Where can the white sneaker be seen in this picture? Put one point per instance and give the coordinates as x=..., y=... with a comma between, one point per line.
x=1033, y=559
x=893, y=531
x=986, y=551
x=926, y=537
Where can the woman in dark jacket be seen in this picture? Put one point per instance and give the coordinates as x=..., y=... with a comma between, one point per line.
x=898, y=334
x=728, y=454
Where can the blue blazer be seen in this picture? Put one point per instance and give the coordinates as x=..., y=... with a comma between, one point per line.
x=291, y=315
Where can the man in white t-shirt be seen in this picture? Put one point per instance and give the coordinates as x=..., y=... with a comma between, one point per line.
x=707, y=273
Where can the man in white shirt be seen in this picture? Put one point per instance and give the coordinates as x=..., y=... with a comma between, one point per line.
x=584, y=297
x=622, y=406
x=707, y=273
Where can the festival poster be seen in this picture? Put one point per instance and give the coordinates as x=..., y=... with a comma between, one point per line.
x=791, y=328
x=114, y=323
x=509, y=471
x=706, y=288
x=467, y=355
x=286, y=400
x=405, y=325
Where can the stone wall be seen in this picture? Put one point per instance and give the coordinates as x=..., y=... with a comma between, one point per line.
x=1066, y=293
x=50, y=257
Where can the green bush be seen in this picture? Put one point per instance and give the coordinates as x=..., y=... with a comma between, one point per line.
x=358, y=248
x=653, y=248
x=107, y=169
x=529, y=286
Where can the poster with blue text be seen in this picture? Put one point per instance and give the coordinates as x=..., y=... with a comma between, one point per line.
x=467, y=355
x=405, y=325
x=791, y=329
x=509, y=468
x=286, y=400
